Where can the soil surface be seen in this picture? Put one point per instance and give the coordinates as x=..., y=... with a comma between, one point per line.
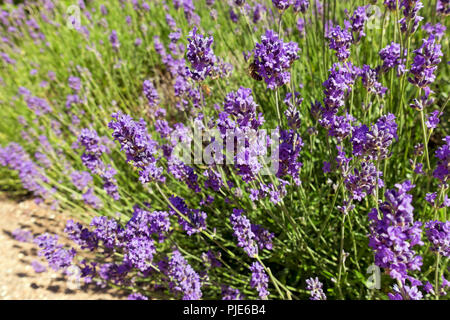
x=18, y=279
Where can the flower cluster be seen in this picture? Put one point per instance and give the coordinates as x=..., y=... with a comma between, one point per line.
x=426, y=59
x=314, y=286
x=289, y=151
x=31, y=175
x=192, y=220
x=150, y=93
x=340, y=41
x=56, y=256
x=242, y=230
x=182, y=277
x=140, y=149
x=229, y=293
x=239, y=217
x=438, y=233
x=273, y=58
x=363, y=182
x=357, y=20
x=260, y=280
x=442, y=171
x=410, y=21
x=391, y=57
x=94, y=148
x=374, y=143
x=395, y=233
x=300, y=6
x=200, y=55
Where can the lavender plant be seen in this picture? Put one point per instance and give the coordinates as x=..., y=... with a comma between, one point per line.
x=233, y=149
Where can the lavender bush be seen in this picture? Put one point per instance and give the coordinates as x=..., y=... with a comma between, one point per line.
x=233, y=149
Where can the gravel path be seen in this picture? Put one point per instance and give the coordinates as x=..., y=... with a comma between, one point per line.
x=18, y=280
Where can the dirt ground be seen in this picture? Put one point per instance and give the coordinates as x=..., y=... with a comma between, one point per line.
x=18, y=280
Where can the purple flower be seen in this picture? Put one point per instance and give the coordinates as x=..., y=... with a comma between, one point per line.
x=91, y=199
x=139, y=253
x=146, y=224
x=410, y=22
x=293, y=117
x=442, y=171
x=184, y=173
x=314, y=286
x=242, y=106
x=106, y=230
x=200, y=55
x=437, y=30
x=363, y=182
x=289, y=149
x=369, y=78
x=374, y=143
x=233, y=16
x=393, y=236
x=136, y=296
x=259, y=280
x=262, y=237
x=301, y=27
x=7, y=58
x=38, y=105
x=183, y=278
x=340, y=41
x=110, y=183
x=75, y=83
x=282, y=4
x=406, y=293
x=138, y=146
x=229, y=293
x=300, y=5
x=189, y=12
x=257, y=12
x=114, y=40
x=443, y=7
x=31, y=175
x=242, y=230
x=56, y=256
x=194, y=220
x=213, y=180
x=137, y=42
x=431, y=197
x=391, y=58
x=433, y=119
x=115, y=273
x=358, y=20
x=94, y=148
x=337, y=86
x=426, y=59
x=22, y=235
x=273, y=58
x=103, y=10
x=80, y=235
x=81, y=179
x=438, y=233
x=338, y=126
x=392, y=4
x=150, y=93
x=326, y=167
x=72, y=99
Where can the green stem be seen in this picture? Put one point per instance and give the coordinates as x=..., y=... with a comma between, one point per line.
x=436, y=276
